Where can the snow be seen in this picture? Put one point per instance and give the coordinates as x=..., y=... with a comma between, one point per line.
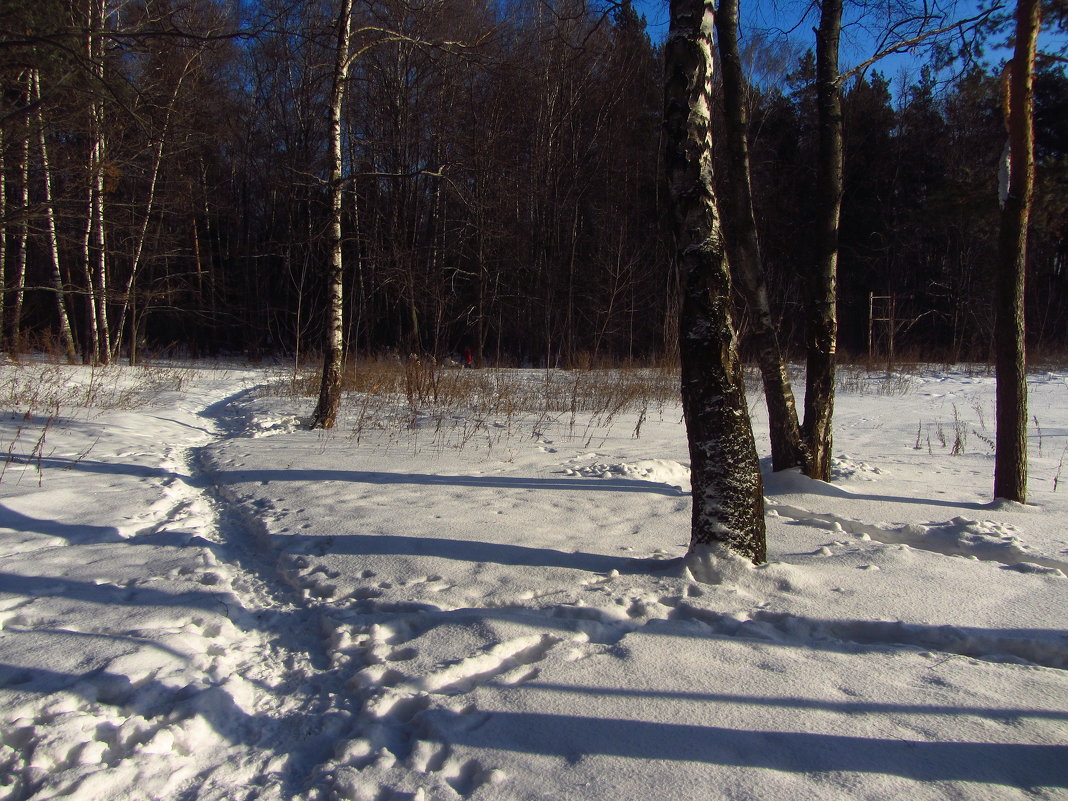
x=201, y=600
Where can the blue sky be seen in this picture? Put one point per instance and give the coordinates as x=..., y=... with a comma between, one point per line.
x=858, y=41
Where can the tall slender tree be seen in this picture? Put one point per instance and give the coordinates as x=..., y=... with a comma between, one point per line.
x=822, y=316
x=66, y=336
x=333, y=353
x=743, y=248
x=1010, y=463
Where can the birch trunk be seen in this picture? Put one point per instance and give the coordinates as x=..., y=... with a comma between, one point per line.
x=100, y=274
x=66, y=337
x=98, y=284
x=743, y=248
x=92, y=329
x=24, y=229
x=822, y=322
x=1010, y=461
x=727, y=494
x=326, y=409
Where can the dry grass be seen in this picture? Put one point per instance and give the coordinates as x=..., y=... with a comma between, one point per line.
x=28, y=387
x=38, y=396
x=414, y=397
x=855, y=379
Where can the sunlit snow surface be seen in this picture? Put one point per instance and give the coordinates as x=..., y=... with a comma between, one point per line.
x=201, y=600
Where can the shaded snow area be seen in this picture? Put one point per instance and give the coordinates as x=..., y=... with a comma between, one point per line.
x=201, y=600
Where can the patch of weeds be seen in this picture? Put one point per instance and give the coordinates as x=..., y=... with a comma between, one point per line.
x=853, y=379
x=456, y=407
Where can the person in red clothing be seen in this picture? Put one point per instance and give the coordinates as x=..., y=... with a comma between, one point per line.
x=469, y=358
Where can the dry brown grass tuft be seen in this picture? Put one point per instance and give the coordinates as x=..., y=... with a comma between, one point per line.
x=460, y=405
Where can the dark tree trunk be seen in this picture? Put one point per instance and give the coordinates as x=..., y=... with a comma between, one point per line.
x=1010, y=464
x=743, y=250
x=728, y=504
x=822, y=317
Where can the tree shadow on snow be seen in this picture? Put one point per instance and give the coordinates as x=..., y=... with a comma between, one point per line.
x=571, y=738
x=80, y=533
x=793, y=482
x=478, y=551
x=434, y=480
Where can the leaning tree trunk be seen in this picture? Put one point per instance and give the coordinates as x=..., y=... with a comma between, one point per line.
x=1010, y=461
x=66, y=337
x=728, y=504
x=137, y=257
x=743, y=249
x=333, y=356
x=822, y=317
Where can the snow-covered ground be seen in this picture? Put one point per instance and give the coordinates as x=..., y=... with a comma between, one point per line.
x=201, y=600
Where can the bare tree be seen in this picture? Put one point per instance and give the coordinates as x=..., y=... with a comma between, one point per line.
x=23, y=239
x=728, y=505
x=1010, y=466
x=94, y=254
x=66, y=336
x=333, y=356
x=822, y=315
x=743, y=247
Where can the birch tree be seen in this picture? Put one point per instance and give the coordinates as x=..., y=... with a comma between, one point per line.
x=728, y=505
x=93, y=246
x=66, y=336
x=23, y=240
x=333, y=353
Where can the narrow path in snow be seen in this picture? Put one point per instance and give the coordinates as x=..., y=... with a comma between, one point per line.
x=335, y=705
x=299, y=706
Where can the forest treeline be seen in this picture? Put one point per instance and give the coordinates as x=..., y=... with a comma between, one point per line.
x=165, y=184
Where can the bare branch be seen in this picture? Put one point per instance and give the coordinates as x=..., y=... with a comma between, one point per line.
x=906, y=45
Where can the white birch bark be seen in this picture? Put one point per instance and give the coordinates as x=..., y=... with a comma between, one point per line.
x=24, y=229
x=330, y=387
x=97, y=273
x=66, y=337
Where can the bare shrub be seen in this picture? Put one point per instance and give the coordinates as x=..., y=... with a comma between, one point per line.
x=456, y=405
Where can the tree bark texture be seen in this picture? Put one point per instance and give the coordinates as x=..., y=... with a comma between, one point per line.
x=66, y=336
x=743, y=249
x=21, y=258
x=325, y=414
x=1010, y=462
x=95, y=253
x=727, y=495
x=822, y=316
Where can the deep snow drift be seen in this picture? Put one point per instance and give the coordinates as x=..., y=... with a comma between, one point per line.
x=201, y=600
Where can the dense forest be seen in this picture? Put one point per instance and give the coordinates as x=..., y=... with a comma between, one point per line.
x=165, y=179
